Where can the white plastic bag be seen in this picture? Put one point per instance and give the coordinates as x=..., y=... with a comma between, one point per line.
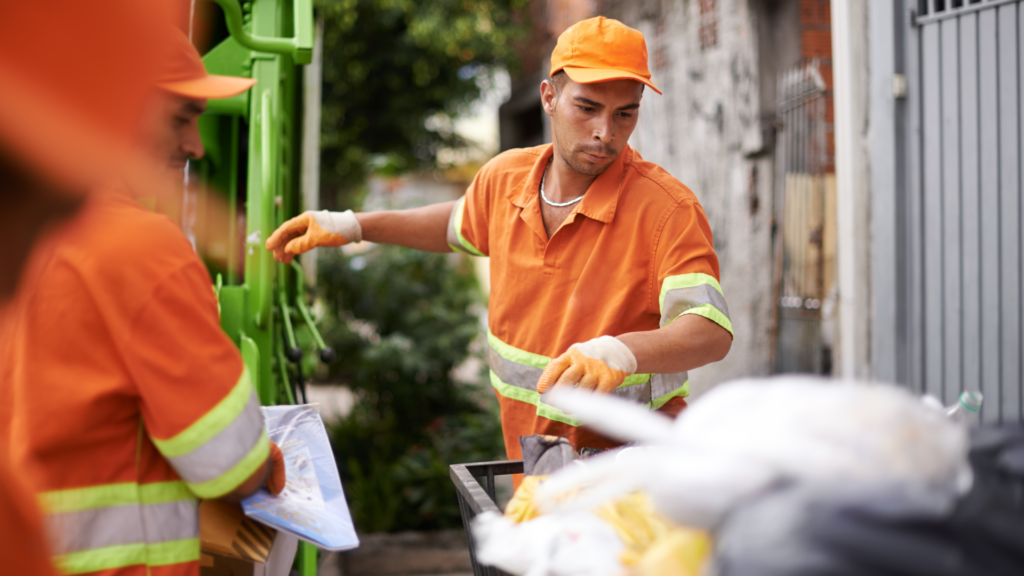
x=745, y=436
x=569, y=544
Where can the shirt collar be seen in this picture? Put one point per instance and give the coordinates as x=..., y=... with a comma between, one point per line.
x=601, y=198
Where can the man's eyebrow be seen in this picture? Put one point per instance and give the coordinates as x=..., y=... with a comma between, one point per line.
x=594, y=104
x=589, y=102
x=194, y=108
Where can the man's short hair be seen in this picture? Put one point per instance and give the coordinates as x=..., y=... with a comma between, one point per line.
x=559, y=80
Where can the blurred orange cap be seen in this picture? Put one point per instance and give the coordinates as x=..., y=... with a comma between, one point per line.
x=75, y=77
x=183, y=73
x=601, y=49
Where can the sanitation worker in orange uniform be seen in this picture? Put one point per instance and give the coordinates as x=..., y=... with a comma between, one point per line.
x=603, y=274
x=126, y=401
x=55, y=143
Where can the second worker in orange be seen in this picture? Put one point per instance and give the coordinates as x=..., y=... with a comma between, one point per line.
x=603, y=271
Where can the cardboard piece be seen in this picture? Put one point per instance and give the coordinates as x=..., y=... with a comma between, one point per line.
x=213, y=564
x=225, y=529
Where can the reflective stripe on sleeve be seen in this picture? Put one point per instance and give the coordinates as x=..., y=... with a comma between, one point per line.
x=693, y=294
x=515, y=372
x=456, y=240
x=119, y=525
x=220, y=450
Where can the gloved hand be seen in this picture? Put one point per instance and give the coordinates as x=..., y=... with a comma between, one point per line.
x=276, y=479
x=600, y=364
x=312, y=229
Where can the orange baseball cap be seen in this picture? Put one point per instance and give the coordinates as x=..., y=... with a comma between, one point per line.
x=601, y=49
x=184, y=74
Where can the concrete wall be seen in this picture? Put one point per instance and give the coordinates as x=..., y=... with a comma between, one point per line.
x=712, y=129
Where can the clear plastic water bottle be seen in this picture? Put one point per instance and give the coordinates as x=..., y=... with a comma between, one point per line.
x=966, y=409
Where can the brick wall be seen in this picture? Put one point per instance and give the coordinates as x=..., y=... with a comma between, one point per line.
x=816, y=44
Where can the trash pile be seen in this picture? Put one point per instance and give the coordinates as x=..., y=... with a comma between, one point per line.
x=793, y=475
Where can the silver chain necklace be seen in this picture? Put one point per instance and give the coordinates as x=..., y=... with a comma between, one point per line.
x=549, y=202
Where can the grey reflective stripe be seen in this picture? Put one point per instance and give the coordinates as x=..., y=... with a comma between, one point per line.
x=664, y=384
x=118, y=525
x=639, y=393
x=221, y=453
x=170, y=521
x=679, y=300
x=513, y=373
x=453, y=235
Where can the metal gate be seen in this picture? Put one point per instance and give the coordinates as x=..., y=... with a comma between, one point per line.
x=963, y=212
x=803, y=270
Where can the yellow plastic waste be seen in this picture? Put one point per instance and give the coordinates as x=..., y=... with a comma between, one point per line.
x=522, y=507
x=654, y=546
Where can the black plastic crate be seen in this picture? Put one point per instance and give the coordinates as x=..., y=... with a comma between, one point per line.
x=474, y=499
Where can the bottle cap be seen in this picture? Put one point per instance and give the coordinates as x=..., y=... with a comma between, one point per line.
x=971, y=401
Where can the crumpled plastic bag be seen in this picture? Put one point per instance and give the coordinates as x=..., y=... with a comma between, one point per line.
x=887, y=530
x=649, y=544
x=744, y=437
x=569, y=544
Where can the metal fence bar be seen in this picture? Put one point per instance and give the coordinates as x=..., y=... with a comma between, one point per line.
x=948, y=13
x=970, y=207
x=1009, y=212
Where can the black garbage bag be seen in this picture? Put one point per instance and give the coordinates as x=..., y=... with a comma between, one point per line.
x=853, y=530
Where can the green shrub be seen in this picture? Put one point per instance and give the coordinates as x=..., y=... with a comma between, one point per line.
x=400, y=321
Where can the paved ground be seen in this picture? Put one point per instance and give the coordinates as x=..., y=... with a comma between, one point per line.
x=442, y=553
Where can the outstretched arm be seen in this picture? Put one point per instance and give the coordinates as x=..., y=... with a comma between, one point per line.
x=423, y=228
x=420, y=228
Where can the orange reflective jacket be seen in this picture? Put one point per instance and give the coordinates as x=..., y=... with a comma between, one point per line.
x=124, y=398
x=22, y=541
x=634, y=255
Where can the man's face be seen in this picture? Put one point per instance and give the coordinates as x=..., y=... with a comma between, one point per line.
x=171, y=132
x=591, y=123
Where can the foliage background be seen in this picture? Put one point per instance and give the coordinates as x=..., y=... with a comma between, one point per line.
x=396, y=73
x=401, y=321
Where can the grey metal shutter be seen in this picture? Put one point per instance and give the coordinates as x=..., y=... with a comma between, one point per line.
x=963, y=212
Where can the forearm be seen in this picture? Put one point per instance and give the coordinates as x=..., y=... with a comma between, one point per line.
x=689, y=342
x=423, y=228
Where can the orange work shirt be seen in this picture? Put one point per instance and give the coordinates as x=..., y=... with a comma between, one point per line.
x=635, y=254
x=125, y=401
x=23, y=547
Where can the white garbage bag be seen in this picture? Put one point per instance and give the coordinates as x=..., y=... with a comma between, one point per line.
x=744, y=437
x=570, y=544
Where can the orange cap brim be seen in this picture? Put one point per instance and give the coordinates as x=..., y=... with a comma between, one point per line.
x=210, y=87
x=593, y=75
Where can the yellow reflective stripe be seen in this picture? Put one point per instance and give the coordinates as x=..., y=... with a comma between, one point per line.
x=174, y=552
x=161, y=554
x=78, y=499
x=513, y=354
x=223, y=414
x=467, y=248
x=687, y=281
x=682, y=391
x=160, y=492
x=711, y=313
x=107, y=495
x=238, y=473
